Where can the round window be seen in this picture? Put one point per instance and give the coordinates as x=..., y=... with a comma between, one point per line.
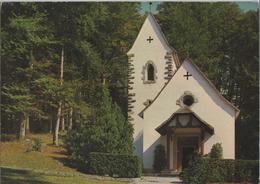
x=188, y=100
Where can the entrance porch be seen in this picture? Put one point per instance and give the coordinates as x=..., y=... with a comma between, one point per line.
x=185, y=133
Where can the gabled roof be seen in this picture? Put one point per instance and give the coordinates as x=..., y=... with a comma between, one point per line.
x=184, y=110
x=157, y=28
x=160, y=30
x=208, y=81
x=214, y=88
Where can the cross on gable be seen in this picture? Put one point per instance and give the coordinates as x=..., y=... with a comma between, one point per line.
x=187, y=75
x=150, y=39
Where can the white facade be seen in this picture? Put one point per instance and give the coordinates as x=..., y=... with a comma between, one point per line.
x=152, y=102
x=146, y=52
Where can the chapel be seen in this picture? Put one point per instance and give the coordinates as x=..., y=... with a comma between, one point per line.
x=173, y=103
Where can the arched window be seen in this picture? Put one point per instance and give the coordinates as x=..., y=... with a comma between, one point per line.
x=150, y=72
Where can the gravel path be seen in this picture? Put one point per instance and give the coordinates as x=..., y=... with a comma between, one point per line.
x=155, y=180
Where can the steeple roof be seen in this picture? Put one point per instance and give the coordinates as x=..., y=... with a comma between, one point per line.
x=150, y=19
x=149, y=14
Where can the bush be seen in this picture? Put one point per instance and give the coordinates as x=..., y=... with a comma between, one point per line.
x=216, y=151
x=227, y=170
x=196, y=172
x=37, y=144
x=115, y=165
x=159, y=161
x=246, y=170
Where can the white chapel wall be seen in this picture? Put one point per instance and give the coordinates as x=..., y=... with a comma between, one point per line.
x=142, y=52
x=209, y=107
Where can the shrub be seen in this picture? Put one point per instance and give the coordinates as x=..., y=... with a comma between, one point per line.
x=216, y=151
x=196, y=172
x=37, y=144
x=246, y=170
x=226, y=170
x=159, y=161
x=128, y=166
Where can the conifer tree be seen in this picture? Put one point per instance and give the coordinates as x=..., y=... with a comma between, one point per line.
x=106, y=130
x=25, y=38
x=20, y=102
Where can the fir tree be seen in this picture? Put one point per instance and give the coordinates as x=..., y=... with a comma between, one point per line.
x=106, y=130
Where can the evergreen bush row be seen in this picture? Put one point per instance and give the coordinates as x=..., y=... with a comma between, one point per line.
x=116, y=165
x=204, y=170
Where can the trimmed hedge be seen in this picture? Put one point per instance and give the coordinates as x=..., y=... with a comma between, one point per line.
x=116, y=165
x=246, y=170
x=226, y=170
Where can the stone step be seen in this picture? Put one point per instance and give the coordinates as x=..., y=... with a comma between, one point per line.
x=169, y=173
x=162, y=173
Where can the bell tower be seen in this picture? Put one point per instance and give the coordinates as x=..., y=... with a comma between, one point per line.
x=151, y=63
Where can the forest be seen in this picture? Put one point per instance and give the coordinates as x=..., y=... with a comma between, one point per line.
x=64, y=66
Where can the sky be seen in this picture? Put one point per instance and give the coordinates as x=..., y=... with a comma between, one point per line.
x=243, y=5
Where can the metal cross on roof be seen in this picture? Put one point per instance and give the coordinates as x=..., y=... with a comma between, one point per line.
x=149, y=39
x=150, y=6
x=187, y=75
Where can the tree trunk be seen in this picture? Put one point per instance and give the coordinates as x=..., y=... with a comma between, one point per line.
x=27, y=118
x=70, y=118
x=56, y=132
x=62, y=120
x=50, y=125
x=22, y=127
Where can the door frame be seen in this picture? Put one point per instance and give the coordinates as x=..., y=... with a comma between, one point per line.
x=180, y=149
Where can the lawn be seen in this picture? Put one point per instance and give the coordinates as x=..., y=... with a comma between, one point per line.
x=51, y=158
x=12, y=176
x=15, y=154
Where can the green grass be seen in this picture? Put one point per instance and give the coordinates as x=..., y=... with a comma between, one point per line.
x=13, y=176
x=52, y=159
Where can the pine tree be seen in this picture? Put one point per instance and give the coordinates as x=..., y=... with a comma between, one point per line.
x=26, y=38
x=20, y=102
x=106, y=130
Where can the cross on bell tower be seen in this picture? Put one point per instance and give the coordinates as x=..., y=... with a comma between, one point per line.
x=150, y=7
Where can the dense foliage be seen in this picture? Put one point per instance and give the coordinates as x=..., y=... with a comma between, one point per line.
x=56, y=56
x=127, y=166
x=159, y=161
x=207, y=170
x=106, y=130
x=215, y=169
